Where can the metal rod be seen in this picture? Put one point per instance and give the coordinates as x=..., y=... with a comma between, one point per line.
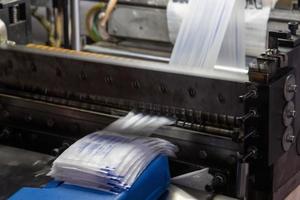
x=65, y=7
x=110, y=51
x=75, y=13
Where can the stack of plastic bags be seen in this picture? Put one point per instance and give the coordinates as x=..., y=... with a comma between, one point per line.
x=109, y=161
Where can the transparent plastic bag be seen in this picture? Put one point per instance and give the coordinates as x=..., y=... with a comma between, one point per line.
x=109, y=161
x=211, y=40
x=256, y=26
x=201, y=33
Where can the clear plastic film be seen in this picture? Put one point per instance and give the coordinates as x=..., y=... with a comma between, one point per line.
x=202, y=33
x=211, y=39
x=203, y=46
x=256, y=19
x=176, y=11
x=232, y=53
x=138, y=124
x=109, y=161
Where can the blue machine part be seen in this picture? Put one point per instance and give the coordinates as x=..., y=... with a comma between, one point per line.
x=151, y=184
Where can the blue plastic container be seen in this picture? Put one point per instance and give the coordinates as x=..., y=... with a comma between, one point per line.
x=150, y=185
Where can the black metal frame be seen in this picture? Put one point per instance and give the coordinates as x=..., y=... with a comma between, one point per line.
x=50, y=97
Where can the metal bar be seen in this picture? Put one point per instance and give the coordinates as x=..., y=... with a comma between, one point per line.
x=65, y=7
x=117, y=52
x=75, y=17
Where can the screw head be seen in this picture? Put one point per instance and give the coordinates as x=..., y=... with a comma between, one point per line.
x=192, y=92
x=292, y=114
x=291, y=138
x=288, y=138
x=203, y=154
x=293, y=27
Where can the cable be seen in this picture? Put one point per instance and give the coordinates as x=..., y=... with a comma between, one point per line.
x=54, y=32
x=92, y=18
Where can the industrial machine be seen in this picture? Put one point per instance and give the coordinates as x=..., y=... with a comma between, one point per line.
x=246, y=133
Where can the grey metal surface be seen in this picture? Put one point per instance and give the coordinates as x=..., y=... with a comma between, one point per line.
x=182, y=193
x=75, y=17
x=20, y=168
x=139, y=85
x=285, y=15
x=17, y=20
x=290, y=87
x=152, y=3
x=289, y=114
x=279, y=19
x=119, y=52
x=39, y=2
x=139, y=23
x=177, y=192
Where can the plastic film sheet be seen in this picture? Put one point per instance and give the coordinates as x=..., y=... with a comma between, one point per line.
x=256, y=26
x=111, y=160
x=206, y=37
x=246, y=33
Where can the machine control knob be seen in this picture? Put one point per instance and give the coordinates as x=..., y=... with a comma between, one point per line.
x=290, y=87
x=291, y=139
x=292, y=114
x=288, y=138
x=289, y=114
x=293, y=27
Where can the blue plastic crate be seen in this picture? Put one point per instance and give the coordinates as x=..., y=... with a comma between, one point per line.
x=151, y=184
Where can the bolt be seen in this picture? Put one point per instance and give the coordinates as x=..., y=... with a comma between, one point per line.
x=192, y=92
x=292, y=114
x=83, y=76
x=163, y=89
x=291, y=138
x=108, y=80
x=203, y=154
x=5, y=133
x=292, y=88
x=293, y=27
x=136, y=85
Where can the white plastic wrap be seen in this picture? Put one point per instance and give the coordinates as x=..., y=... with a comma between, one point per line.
x=232, y=53
x=256, y=26
x=176, y=11
x=211, y=34
x=109, y=161
x=256, y=21
x=197, y=180
x=138, y=124
x=201, y=33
